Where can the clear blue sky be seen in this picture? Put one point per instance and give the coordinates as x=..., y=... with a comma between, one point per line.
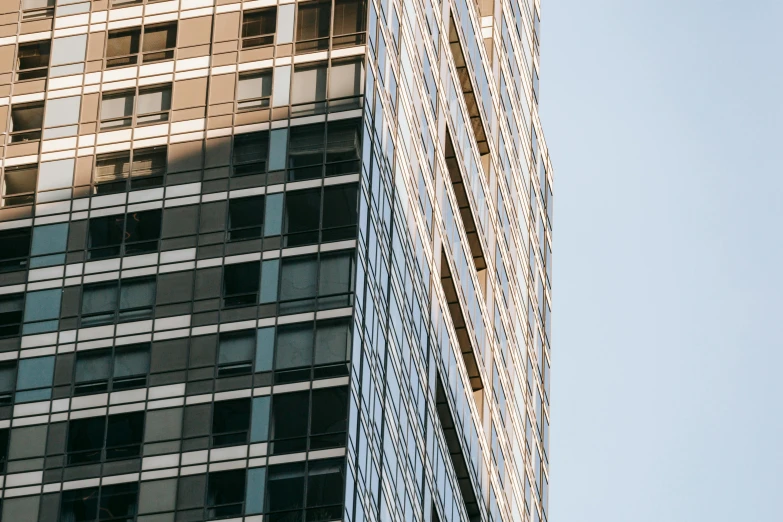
x=665, y=124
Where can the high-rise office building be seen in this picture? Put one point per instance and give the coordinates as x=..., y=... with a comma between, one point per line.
x=273, y=260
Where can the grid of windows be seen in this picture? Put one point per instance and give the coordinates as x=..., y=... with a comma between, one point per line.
x=217, y=299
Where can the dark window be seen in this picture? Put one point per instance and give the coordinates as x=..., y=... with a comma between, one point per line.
x=325, y=479
x=7, y=381
x=105, y=438
x=258, y=27
x=156, y=43
x=285, y=492
x=26, y=122
x=349, y=23
x=312, y=26
x=305, y=277
x=230, y=422
x=340, y=212
x=117, y=503
x=138, y=231
x=11, y=307
x=113, y=369
x=19, y=185
x=123, y=47
x=329, y=418
x=240, y=283
x=318, y=425
x=225, y=494
x=306, y=151
x=126, y=300
x=235, y=353
x=302, y=217
x=245, y=218
x=3, y=448
x=16, y=248
x=251, y=152
x=343, y=142
x=33, y=60
x=288, y=426
x=114, y=170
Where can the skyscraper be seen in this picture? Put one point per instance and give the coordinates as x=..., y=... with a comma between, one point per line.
x=273, y=260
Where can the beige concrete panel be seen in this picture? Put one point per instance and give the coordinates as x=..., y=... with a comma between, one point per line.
x=5, y=90
x=185, y=156
x=90, y=107
x=7, y=57
x=36, y=26
x=194, y=31
x=8, y=30
x=218, y=152
x=4, y=118
x=26, y=148
x=221, y=109
x=224, y=47
x=227, y=26
x=88, y=128
x=246, y=118
x=96, y=45
x=188, y=114
x=6, y=78
x=83, y=172
x=29, y=87
x=10, y=18
x=189, y=93
x=220, y=122
x=9, y=6
x=253, y=55
x=229, y=58
x=193, y=52
x=221, y=89
x=14, y=213
x=100, y=5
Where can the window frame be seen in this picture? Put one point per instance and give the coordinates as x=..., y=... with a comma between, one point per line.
x=116, y=314
x=140, y=57
x=31, y=134
x=38, y=71
x=110, y=384
x=132, y=121
x=18, y=199
x=131, y=181
x=257, y=40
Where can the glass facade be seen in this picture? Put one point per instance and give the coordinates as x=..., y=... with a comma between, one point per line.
x=273, y=260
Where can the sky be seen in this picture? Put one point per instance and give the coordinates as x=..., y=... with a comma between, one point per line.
x=664, y=123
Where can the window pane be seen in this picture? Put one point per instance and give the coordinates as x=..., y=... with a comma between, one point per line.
x=246, y=212
x=259, y=23
x=117, y=105
x=136, y=293
x=79, y=505
x=49, y=239
x=259, y=427
x=254, y=85
x=99, y=298
x=131, y=361
x=302, y=211
x=149, y=162
x=252, y=148
x=285, y=487
x=345, y=78
x=112, y=167
x=106, y=231
x=124, y=434
x=160, y=37
x=19, y=185
x=242, y=279
x=7, y=380
x=340, y=206
x=42, y=305
x=336, y=273
x=231, y=417
x=35, y=373
x=118, y=502
x=236, y=351
x=143, y=226
x=298, y=278
x=306, y=146
x=309, y=84
x=70, y=49
x=332, y=341
x=313, y=20
x=93, y=366
x=32, y=56
x=153, y=100
x=85, y=439
x=294, y=346
x=330, y=411
x=349, y=16
x=325, y=484
x=225, y=492
x=123, y=43
x=343, y=140
x=27, y=117
x=10, y=314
